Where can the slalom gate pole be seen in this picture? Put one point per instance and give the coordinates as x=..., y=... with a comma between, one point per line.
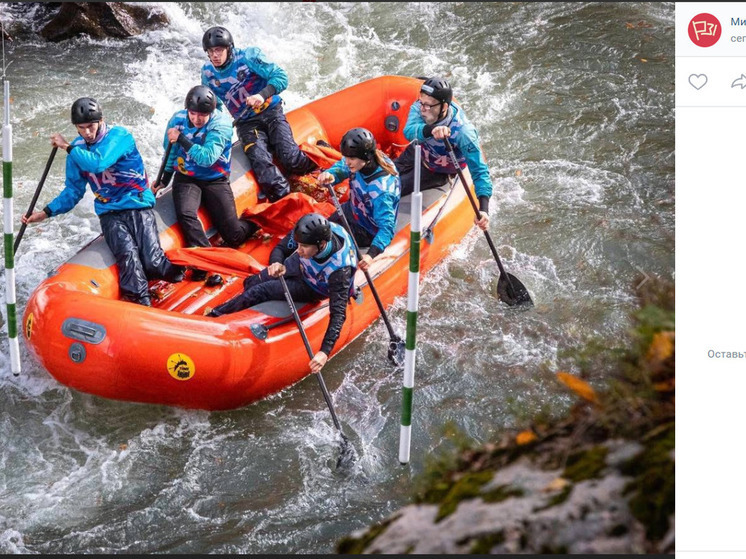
x=10, y=274
x=413, y=295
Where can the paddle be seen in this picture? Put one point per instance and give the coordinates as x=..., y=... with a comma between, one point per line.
x=509, y=289
x=30, y=210
x=347, y=453
x=396, y=344
x=162, y=170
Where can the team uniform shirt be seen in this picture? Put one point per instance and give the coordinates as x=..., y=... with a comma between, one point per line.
x=112, y=167
x=210, y=156
x=247, y=73
x=465, y=142
x=374, y=200
x=316, y=274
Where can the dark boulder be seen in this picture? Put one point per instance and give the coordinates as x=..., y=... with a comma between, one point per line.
x=101, y=20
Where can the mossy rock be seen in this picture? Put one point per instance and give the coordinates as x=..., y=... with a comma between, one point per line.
x=586, y=465
x=653, y=486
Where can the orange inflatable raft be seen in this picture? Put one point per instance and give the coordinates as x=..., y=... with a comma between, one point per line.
x=172, y=354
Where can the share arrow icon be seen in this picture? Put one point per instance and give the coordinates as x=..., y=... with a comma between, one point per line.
x=740, y=82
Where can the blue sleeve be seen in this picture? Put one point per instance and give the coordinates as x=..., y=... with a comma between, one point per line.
x=385, y=217
x=118, y=143
x=72, y=193
x=468, y=143
x=218, y=135
x=258, y=63
x=340, y=171
x=415, y=123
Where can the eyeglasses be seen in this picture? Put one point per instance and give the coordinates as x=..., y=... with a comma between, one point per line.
x=430, y=106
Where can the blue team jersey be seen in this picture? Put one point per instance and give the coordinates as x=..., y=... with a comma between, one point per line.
x=112, y=167
x=247, y=73
x=210, y=156
x=374, y=200
x=316, y=274
x=465, y=142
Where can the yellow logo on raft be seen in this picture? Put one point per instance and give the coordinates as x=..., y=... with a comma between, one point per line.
x=29, y=326
x=180, y=366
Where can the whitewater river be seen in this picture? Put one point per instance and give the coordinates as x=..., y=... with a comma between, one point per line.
x=575, y=107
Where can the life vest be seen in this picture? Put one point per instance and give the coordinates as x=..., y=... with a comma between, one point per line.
x=316, y=274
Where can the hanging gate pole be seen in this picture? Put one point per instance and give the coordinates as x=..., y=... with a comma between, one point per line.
x=413, y=296
x=10, y=274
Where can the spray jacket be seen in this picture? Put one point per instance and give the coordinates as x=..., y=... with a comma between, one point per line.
x=208, y=155
x=464, y=139
x=246, y=73
x=112, y=167
x=374, y=200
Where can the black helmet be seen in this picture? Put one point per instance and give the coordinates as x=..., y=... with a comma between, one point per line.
x=217, y=37
x=311, y=229
x=85, y=110
x=438, y=88
x=200, y=99
x=358, y=142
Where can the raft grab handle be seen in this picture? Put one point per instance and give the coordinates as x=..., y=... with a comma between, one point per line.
x=83, y=330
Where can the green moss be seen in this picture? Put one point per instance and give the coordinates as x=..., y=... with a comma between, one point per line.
x=586, y=465
x=356, y=546
x=558, y=499
x=483, y=545
x=501, y=493
x=652, y=488
x=467, y=487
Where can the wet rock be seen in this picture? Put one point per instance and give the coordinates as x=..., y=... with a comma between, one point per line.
x=101, y=20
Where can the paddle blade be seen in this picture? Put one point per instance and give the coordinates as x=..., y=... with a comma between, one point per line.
x=347, y=454
x=511, y=291
x=396, y=351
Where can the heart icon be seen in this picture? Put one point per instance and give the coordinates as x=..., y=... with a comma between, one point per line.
x=697, y=81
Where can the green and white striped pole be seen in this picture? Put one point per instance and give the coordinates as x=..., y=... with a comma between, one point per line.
x=10, y=273
x=413, y=296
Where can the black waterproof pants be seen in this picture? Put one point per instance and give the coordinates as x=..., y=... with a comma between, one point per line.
x=132, y=236
x=405, y=165
x=261, y=287
x=220, y=204
x=362, y=237
x=268, y=134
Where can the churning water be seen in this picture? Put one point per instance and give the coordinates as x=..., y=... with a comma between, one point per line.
x=575, y=107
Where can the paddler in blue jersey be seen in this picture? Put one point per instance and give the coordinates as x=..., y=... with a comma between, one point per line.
x=106, y=159
x=435, y=116
x=200, y=161
x=318, y=261
x=249, y=86
x=374, y=192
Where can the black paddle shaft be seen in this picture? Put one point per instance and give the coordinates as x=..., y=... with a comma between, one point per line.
x=373, y=289
x=476, y=212
x=162, y=170
x=35, y=198
x=302, y=331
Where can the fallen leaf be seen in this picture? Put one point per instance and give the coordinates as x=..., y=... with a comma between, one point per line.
x=518, y=173
x=580, y=387
x=665, y=386
x=525, y=437
x=629, y=25
x=662, y=346
x=643, y=59
x=557, y=484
